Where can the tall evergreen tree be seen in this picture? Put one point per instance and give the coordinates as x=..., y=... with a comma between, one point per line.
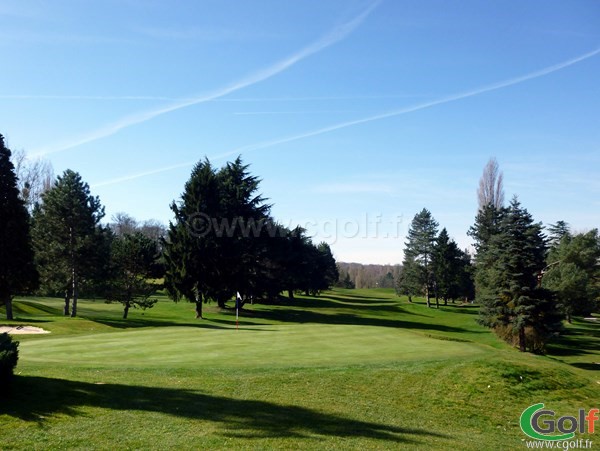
x=514, y=305
x=189, y=250
x=243, y=221
x=420, y=248
x=17, y=269
x=486, y=228
x=556, y=232
x=573, y=272
x=448, y=263
x=325, y=268
x=71, y=245
x=215, y=247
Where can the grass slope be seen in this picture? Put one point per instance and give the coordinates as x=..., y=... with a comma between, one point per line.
x=349, y=369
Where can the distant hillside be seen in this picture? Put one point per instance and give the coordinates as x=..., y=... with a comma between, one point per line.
x=368, y=276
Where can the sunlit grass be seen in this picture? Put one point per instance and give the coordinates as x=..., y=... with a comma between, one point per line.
x=349, y=369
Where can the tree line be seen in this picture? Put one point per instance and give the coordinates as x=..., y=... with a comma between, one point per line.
x=525, y=281
x=222, y=242
x=358, y=275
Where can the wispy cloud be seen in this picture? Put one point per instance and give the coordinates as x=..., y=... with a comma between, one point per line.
x=138, y=175
x=337, y=34
x=421, y=106
x=259, y=113
x=190, y=99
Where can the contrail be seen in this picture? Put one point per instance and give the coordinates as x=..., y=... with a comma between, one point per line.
x=410, y=109
x=337, y=34
x=126, y=178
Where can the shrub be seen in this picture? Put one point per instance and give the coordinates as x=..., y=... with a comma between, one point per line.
x=9, y=354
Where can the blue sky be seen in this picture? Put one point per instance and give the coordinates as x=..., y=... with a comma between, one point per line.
x=355, y=114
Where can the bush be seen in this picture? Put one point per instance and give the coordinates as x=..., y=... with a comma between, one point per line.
x=9, y=354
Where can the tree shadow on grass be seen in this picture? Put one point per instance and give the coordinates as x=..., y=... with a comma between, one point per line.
x=37, y=398
x=568, y=346
x=37, y=306
x=355, y=302
x=590, y=366
x=327, y=301
x=139, y=323
x=312, y=317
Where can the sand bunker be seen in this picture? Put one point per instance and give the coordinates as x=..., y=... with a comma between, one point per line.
x=15, y=330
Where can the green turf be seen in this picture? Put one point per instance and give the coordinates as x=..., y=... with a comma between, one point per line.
x=350, y=369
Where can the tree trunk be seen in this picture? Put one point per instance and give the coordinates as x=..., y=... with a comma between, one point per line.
x=126, y=310
x=67, y=309
x=306, y=293
x=410, y=298
x=437, y=302
x=522, y=339
x=291, y=294
x=73, y=275
x=445, y=301
x=6, y=299
x=199, y=306
x=427, y=296
x=75, y=294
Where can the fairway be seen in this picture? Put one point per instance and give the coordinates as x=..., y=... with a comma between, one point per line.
x=350, y=369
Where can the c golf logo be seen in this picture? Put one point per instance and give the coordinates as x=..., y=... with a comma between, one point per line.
x=538, y=423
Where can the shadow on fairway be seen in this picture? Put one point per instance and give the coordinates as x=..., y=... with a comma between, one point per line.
x=130, y=323
x=37, y=398
x=580, y=339
x=27, y=308
x=313, y=317
x=590, y=366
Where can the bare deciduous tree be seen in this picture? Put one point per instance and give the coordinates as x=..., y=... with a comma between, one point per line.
x=491, y=188
x=123, y=224
x=35, y=177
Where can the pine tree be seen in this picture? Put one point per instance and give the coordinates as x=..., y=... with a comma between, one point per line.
x=487, y=226
x=514, y=305
x=556, y=232
x=448, y=263
x=71, y=245
x=419, y=249
x=325, y=269
x=573, y=272
x=17, y=269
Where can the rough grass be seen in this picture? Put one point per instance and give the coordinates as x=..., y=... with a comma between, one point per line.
x=347, y=370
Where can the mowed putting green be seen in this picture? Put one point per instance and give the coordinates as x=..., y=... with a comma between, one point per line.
x=267, y=346
x=350, y=369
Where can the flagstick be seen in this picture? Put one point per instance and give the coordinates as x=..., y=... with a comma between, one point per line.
x=238, y=298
